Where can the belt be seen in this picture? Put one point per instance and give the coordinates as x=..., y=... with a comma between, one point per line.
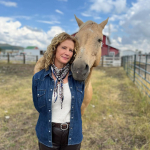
x=62, y=126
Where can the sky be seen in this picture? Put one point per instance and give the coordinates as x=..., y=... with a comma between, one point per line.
x=36, y=22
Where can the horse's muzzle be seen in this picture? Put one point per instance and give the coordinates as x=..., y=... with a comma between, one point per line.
x=80, y=70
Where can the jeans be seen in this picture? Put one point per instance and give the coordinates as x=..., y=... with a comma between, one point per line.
x=60, y=141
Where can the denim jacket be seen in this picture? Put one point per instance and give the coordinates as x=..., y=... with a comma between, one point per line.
x=42, y=89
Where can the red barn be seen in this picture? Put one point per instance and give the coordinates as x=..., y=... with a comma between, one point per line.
x=107, y=50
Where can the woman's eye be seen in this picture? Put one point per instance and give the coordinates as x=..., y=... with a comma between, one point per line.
x=63, y=47
x=71, y=50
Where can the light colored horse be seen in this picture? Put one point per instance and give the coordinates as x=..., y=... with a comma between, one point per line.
x=90, y=39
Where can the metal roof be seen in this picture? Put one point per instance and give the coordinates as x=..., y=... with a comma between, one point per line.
x=31, y=47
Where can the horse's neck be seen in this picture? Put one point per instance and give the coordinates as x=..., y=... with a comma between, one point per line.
x=88, y=80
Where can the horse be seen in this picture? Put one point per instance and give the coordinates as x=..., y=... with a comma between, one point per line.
x=90, y=39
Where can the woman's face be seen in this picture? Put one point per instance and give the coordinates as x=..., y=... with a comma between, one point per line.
x=64, y=53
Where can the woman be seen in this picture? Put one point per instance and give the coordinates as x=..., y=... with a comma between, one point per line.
x=58, y=97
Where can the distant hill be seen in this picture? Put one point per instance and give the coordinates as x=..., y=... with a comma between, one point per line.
x=10, y=47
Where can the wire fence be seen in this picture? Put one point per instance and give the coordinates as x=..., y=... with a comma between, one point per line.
x=137, y=68
x=29, y=59
x=19, y=59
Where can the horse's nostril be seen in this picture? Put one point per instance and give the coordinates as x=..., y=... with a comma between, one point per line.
x=85, y=70
x=86, y=67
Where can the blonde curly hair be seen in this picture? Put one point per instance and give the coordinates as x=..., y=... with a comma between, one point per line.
x=49, y=55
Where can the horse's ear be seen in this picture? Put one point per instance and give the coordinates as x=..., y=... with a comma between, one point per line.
x=102, y=24
x=80, y=22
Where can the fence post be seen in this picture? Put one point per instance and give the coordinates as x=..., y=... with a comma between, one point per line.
x=102, y=61
x=139, y=63
x=121, y=61
x=36, y=58
x=8, y=60
x=124, y=62
x=134, y=67
x=127, y=65
x=24, y=61
x=146, y=66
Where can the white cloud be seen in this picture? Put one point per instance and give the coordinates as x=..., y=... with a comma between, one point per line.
x=12, y=32
x=116, y=17
x=136, y=24
x=97, y=18
x=34, y=29
x=120, y=39
x=48, y=22
x=132, y=27
x=22, y=17
x=8, y=3
x=72, y=19
x=53, y=31
x=110, y=28
x=85, y=14
x=117, y=6
x=58, y=11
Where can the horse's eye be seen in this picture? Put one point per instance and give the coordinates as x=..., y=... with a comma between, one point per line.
x=99, y=40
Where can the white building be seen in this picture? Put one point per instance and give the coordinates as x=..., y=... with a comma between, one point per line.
x=33, y=50
x=127, y=53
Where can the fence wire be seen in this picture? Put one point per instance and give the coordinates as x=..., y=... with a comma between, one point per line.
x=137, y=68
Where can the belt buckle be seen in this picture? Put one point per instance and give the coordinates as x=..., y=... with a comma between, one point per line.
x=61, y=126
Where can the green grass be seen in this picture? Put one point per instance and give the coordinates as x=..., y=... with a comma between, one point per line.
x=116, y=119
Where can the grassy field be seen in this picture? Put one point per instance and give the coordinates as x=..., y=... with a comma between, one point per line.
x=118, y=117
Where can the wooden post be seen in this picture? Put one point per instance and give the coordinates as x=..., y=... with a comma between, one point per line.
x=36, y=58
x=134, y=67
x=121, y=61
x=24, y=61
x=102, y=61
x=146, y=66
x=8, y=58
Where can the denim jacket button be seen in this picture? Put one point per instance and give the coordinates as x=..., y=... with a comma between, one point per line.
x=49, y=120
x=49, y=141
x=49, y=131
x=49, y=110
x=69, y=138
x=72, y=117
x=51, y=89
x=72, y=96
x=72, y=106
x=49, y=99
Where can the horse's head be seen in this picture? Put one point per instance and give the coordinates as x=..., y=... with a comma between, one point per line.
x=90, y=39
